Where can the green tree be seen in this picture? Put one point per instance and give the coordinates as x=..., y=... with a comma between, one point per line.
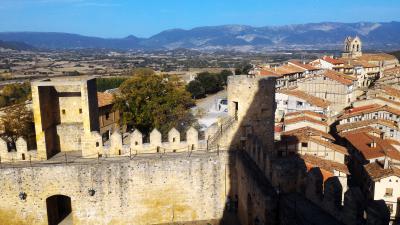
x=224, y=76
x=104, y=84
x=15, y=94
x=196, y=89
x=17, y=121
x=246, y=68
x=210, y=82
x=238, y=71
x=149, y=101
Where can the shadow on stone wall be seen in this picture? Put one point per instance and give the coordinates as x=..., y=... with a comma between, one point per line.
x=265, y=188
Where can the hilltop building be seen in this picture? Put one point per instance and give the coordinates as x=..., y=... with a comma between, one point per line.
x=352, y=47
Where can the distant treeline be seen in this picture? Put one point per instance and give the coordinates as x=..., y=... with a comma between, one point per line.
x=396, y=53
x=104, y=84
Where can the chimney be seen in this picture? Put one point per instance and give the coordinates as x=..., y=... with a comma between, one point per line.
x=372, y=144
x=386, y=163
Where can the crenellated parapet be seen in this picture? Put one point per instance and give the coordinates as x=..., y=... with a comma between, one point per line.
x=20, y=153
x=133, y=143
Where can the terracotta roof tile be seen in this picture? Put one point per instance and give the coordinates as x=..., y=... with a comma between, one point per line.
x=365, y=123
x=307, y=131
x=303, y=65
x=391, y=91
x=369, y=109
x=306, y=112
x=377, y=57
x=339, y=77
x=104, y=99
x=362, y=142
x=376, y=171
x=269, y=72
x=332, y=60
x=325, y=164
x=307, y=97
x=304, y=118
x=392, y=71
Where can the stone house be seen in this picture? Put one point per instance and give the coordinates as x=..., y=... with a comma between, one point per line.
x=332, y=86
x=328, y=63
x=288, y=101
x=384, y=118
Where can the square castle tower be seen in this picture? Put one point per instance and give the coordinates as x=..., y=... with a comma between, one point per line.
x=65, y=110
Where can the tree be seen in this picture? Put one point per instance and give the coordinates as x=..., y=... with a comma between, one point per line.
x=14, y=94
x=246, y=68
x=224, y=76
x=142, y=71
x=104, y=84
x=238, y=71
x=210, y=82
x=17, y=121
x=149, y=101
x=196, y=89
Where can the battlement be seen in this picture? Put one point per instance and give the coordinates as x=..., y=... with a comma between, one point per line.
x=126, y=144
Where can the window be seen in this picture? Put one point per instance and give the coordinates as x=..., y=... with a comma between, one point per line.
x=299, y=103
x=97, y=144
x=107, y=116
x=80, y=111
x=304, y=144
x=285, y=102
x=63, y=111
x=389, y=192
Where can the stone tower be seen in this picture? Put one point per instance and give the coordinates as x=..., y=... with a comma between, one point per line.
x=251, y=100
x=352, y=47
x=65, y=110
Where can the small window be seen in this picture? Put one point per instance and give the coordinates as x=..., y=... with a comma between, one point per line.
x=97, y=144
x=80, y=111
x=63, y=111
x=299, y=103
x=173, y=139
x=107, y=116
x=304, y=144
x=389, y=192
x=136, y=143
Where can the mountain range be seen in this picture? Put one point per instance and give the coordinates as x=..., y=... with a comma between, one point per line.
x=326, y=35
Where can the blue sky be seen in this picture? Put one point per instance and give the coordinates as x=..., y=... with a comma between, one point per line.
x=143, y=18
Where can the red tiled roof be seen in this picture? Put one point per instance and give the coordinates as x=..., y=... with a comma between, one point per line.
x=328, y=165
x=376, y=171
x=365, y=123
x=307, y=97
x=377, y=57
x=303, y=112
x=104, y=99
x=391, y=71
x=369, y=109
x=307, y=131
x=303, y=65
x=362, y=142
x=268, y=72
x=332, y=60
x=339, y=77
x=391, y=91
x=304, y=118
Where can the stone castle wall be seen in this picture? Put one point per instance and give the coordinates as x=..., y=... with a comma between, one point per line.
x=146, y=190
